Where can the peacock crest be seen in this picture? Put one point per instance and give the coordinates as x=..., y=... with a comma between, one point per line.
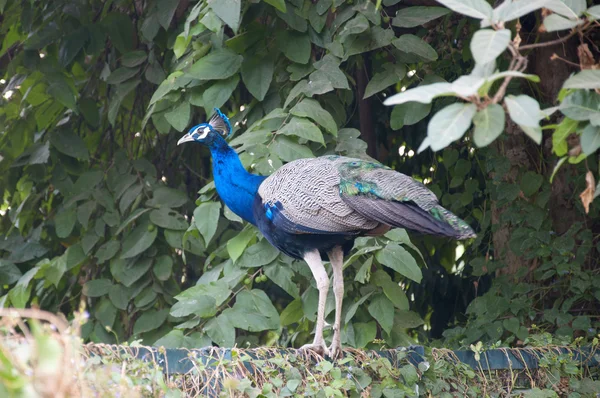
x=219, y=122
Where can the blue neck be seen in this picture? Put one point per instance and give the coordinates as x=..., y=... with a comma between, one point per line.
x=235, y=185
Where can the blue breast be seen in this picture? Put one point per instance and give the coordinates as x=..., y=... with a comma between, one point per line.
x=272, y=224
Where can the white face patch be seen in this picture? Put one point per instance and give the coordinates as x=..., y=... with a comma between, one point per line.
x=202, y=132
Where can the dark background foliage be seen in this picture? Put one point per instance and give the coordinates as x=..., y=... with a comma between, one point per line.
x=100, y=205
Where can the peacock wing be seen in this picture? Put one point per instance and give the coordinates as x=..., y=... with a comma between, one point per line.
x=381, y=194
x=303, y=196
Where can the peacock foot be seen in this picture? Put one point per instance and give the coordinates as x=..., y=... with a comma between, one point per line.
x=316, y=347
x=335, y=349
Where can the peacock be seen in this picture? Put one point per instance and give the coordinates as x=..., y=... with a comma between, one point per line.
x=313, y=209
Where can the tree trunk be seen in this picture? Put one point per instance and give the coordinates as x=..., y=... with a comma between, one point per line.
x=523, y=154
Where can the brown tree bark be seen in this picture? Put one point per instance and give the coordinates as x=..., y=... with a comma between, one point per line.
x=523, y=154
x=365, y=113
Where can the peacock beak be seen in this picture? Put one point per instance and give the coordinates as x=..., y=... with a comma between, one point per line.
x=185, y=138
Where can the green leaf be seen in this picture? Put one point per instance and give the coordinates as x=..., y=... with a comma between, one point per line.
x=97, y=287
x=168, y=218
x=257, y=255
x=120, y=75
x=129, y=197
x=282, y=276
x=237, y=244
x=312, y=109
x=179, y=117
x=411, y=17
x=293, y=19
x=84, y=213
x=218, y=64
x=133, y=58
x=228, y=11
x=581, y=105
x=372, y=39
x=512, y=73
x=450, y=124
x=400, y=260
x=120, y=30
x=221, y=331
x=294, y=45
x=555, y=22
x=364, y=333
x=64, y=221
x=354, y=307
x=278, y=4
x=288, y=150
x=407, y=319
x=586, y=79
x=219, y=290
x=356, y=25
x=138, y=240
x=422, y=94
x=555, y=170
x=292, y=313
x=127, y=273
x=63, y=93
x=253, y=311
x=303, y=128
x=523, y=110
x=257, y=74
x=415, y=45
x=9, y=272
x=206, y=218
x=70, y=46
x=105, y=312
x=594, y=12
x=392, y=74
x=513, y=10
x=408, y=114
x=118, y=296
x=176, y=339
x=391, y=289
x=590, y=139
x=531, y=183
x=150, y=320
x=167, y=197
x=146, y=297
x=70, y=144
x=218, y=93
x=479, y=9
x=382, y=309
x=488, y=44
x=107, y=251
x=90, y=112
x=489, y=124
x=163, y=267
x=203, y=306
x=166, y=11
x=328, y=69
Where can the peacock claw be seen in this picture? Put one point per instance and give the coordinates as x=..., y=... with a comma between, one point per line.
x=319, y=348
x=335, y=349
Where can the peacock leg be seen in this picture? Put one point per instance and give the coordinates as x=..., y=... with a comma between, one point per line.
x=313, y=259
x=336, y=256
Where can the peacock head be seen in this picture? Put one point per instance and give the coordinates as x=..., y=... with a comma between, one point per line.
x=206, y=133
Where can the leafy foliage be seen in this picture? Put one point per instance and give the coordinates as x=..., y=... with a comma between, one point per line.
x=100, y=204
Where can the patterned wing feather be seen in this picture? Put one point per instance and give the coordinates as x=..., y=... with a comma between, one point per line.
x=303, y=196
x=382, y=194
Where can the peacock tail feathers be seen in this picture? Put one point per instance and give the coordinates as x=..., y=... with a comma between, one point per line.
x=339, y=194
x=464, y=230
